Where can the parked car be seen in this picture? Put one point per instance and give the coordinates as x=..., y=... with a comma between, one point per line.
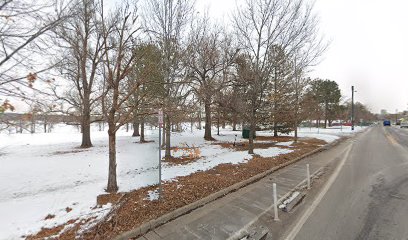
x=387, y=123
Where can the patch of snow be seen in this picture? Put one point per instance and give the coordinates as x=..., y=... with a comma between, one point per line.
x=153, y=195
x=285, y=144
x=272, y=151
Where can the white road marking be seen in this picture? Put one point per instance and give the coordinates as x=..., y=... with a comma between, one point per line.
x=316, y=202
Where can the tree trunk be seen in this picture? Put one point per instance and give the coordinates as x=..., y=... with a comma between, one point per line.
x=325, y=114
x=112, y=183
x=296, y=125
x=296, y=112
x=218, y=124
x=142, y=132
x=168, y=133
x=163, y=135
x=296, y=132
x=21, y=127
x=275, y=105
x=275, y=129
x=191, y=124
x=136, y=127
x=234, y=122
x=199, y=120
x=33, y=125
x=86, y=123
x=207, y=129
x=86, y=135
x=252, y=133
x=45, y=127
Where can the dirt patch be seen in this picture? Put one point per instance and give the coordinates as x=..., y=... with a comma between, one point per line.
x=261, y=142
x=49, y=216
x=181, y=160
x=49, y=232
x=108, y=198
x=275, y=139
x=313, y=141
x=68, y=152
x=189, y=154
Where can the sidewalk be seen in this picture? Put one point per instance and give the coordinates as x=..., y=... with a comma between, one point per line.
x=228, y=216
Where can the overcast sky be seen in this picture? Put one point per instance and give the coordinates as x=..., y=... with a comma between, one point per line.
x=369, y=47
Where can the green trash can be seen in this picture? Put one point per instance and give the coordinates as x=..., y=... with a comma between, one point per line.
x=245, y=132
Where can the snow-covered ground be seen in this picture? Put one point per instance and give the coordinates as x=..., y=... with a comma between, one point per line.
x=46, y=173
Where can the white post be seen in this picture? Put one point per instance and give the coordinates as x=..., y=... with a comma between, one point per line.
x=308, y=176
x=275, y=202
x=160, y=174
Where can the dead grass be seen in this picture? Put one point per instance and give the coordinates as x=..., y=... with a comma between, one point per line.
x=68, y=151
x=259, y=143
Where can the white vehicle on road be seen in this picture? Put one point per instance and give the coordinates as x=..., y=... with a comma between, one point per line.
x=404, y=124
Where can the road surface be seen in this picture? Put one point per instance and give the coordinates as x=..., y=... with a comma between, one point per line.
x=368, y=195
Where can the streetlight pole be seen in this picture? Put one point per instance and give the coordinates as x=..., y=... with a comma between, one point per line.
x=352, y=108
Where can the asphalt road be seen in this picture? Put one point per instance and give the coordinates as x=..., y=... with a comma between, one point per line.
x=368, y=196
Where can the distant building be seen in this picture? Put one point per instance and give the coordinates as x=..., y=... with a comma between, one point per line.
x=383, y=112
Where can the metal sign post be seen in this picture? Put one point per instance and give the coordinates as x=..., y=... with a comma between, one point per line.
x=160, y=121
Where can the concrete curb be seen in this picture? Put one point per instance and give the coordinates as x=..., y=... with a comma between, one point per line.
x=145, y=227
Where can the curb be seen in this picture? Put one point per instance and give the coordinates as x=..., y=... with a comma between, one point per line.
x=145, y=227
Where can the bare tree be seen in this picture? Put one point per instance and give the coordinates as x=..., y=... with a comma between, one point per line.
x=260, y=25
x=119, y=34
x=305, y=53
x=165, y=22
x=209, y=55
x=23, y=28
x=149, y=78
x=280, y=90
x=81, y=57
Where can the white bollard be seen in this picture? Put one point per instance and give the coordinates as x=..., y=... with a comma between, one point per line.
x=275, y=202
x=308, y=176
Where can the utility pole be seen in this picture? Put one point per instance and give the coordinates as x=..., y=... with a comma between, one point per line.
x=352, y=108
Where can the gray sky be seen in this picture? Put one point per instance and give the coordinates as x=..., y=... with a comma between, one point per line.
x=369, y=47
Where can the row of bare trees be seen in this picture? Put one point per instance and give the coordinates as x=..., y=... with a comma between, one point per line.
x=120, y=64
